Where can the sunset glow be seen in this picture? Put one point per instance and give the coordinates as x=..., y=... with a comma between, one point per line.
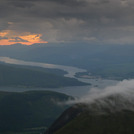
x=8, y=37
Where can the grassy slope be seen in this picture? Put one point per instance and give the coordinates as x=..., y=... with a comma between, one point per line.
x=31, y=77
x=80, y=120
x=33, y=109
x=116, y=123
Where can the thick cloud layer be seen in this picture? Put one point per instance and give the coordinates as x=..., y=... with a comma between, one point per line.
x=113, y=98
x=93, y=21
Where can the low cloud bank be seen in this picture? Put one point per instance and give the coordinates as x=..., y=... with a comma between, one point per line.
x=112, y=98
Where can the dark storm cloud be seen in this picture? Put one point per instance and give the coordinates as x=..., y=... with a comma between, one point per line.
x=101, y=21
x=52, y=8
x=48, y=8
x=70, y=2
x=21, y=4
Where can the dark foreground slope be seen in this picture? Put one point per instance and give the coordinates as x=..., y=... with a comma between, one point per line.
x=20, y=76
x=28, y=110
x=85, y=119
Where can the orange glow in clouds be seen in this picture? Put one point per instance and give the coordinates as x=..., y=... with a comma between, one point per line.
x=8, y=37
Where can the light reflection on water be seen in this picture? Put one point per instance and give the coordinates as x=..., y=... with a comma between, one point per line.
x=76, y=91
x=73, y=91
x=71, y=70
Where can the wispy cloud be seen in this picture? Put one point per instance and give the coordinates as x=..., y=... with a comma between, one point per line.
x=118, y=97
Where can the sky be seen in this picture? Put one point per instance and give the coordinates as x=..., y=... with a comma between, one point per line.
x=58, y=21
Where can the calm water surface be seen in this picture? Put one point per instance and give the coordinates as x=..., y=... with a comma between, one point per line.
x=73, y=91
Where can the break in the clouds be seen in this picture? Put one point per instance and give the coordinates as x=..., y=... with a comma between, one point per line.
x=92, y=21
x=9, y=37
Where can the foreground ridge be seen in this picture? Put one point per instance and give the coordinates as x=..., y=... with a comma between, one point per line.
x=110, y=115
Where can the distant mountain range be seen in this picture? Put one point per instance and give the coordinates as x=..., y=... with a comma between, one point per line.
x=107, y=61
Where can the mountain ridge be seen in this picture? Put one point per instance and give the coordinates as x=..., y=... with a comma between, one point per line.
x=30, y=109
x=96, y=118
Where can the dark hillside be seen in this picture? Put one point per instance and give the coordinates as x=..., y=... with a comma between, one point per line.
x=27, y=110
x=30, y=77
x=115, y=117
